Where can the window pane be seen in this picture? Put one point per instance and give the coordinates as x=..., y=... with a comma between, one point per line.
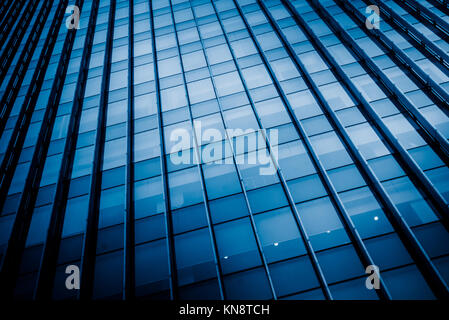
x=293, y=275
x=236, y=245
x=194, y=258
x=279, y=235
x=251, y=284
x=185, y=188
x=322, y=223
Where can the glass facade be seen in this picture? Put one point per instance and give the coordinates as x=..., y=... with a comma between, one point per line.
x=224, y=149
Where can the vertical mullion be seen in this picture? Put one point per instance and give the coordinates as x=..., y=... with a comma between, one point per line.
x=424, y=263
x=440, y=96
x=199, y=166
x=4, y=7
x=90, y=239
x=13, y=87
x=406, y=160
x=428, y=132
x=298, y=220
x=18, y=136
x=173, y=277
x=324, y=178
x=435, y=196
x=423, y=44
x=52, y=242
x=13, y=44
x=360, y=247
x=432, y=20
x=9, y=19
x=129, y=251
x=440, y=143
x=251, y=214
x=442, y=5
x=11, y=261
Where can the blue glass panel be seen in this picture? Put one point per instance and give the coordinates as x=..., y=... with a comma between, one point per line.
x=388, y=251
x=228, y=208
x=108, y=275
x=151, y=267
x=194, y=258
x=340, y=263
x=293, y=275
x=189, y=218
x=237, y=247
x=279, y=235
x=267, y=198
x=322, y=224
x=251, y=284
x=352, y=290
x=407, y=284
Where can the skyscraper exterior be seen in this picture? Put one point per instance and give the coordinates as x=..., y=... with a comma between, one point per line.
x=229, y=149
